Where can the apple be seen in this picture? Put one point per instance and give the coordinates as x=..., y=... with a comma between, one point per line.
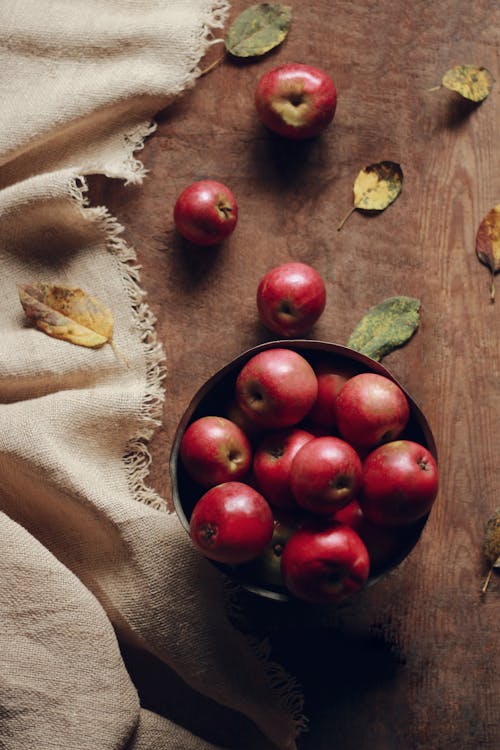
x=231, y=523
x=371, y=409
x=276, y=388
x=296, y=100
x=332, y=376
x=290, y=298
x=272, y=462
x=235, y=413
x=325, y=566
x=400, y=483
x=206, y=212
x=215, y=450
x=351, y=515
x=267, y=567
x=325, y=475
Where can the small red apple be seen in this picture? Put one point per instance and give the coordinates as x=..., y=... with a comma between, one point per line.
x=215, y=450
x=272, y=463
x=290, y=298
x=276, y=388
x=296, y=100
x=400, y=483
x=231, y=523
x=325, y=566
x=325, y=475
x=206, y=212
x=371, y=409
x=332, y=376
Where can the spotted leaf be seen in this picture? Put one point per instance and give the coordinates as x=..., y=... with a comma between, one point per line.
x=471, y=82
x=386, y=326
x=67, y=313
x=376, y=187
x=258, y=29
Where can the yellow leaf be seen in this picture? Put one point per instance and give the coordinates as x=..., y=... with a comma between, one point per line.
x=376, y=187
x=67, y=313
x=471, y=82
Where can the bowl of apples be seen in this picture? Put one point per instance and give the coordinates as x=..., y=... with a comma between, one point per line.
x=304, y=471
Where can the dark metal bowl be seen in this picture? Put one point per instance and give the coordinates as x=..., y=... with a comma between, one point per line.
x=211, y=399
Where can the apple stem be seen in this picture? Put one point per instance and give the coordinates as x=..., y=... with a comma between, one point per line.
x=351, y=210
x=488, y=577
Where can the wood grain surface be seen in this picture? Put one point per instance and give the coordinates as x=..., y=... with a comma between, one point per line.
x=413, y=663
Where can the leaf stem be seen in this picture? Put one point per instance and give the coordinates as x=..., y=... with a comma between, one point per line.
x=119, y=352
x=434, y=88
x=211, y=66
x=492, y=287
x=485, y=584
x=351, y=211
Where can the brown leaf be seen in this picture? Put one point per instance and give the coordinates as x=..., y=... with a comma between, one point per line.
x=488, y=244
x=491, y=546
x=67, y=313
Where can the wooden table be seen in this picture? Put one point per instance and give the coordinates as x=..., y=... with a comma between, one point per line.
x=414, y=662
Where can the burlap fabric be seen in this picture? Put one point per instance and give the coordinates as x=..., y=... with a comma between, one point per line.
x=89, y=556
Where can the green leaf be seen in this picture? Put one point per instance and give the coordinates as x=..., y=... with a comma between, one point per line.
x=386, y=327
x=471, y=82
x=258, y=29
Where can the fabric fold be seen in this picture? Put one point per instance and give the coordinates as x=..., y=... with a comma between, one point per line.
x=91, y=555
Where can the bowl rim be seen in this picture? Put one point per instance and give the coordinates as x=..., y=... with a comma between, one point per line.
x=238, y=361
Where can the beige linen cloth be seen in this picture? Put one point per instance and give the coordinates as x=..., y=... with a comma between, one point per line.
x=89, y=556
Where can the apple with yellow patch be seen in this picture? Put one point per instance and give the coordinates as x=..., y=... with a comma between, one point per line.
x=296, y=100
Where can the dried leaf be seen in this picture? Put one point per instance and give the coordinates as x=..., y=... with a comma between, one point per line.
x=67, y=313
x=492, y=545
x=386, y=326
x=258, y=29
x=471, y=82
x=488, y=244
x=376, y=187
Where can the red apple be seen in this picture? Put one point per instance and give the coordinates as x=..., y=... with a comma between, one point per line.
x=325, y=566
x=235, y=413
x=272, y=463
x=206, y=212
x=215, y=450
x=371, y=409
x=332, y=376
x=267, y=567
x=296, y=100
x=276, y=388
x=351, y=515
x=291, y=298
x=325, y=475
x=400, y=483
x=231, y=523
